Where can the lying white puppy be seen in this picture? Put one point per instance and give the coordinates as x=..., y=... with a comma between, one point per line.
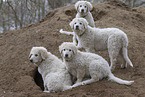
x=95, y=39
x=83, y=64
x=83, y=11
x=53, y=70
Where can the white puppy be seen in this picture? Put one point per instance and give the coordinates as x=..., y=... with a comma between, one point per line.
x=53, y=70
x=83, y=64
x=95, y=39
x=83, y=11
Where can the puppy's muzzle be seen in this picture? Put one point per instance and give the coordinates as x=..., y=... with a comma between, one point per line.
x=82, y=10
x=66, y=55
x=77, y=27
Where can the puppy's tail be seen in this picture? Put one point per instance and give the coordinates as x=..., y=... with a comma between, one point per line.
x=126, y=56
x=118, y=80
x=66, y=32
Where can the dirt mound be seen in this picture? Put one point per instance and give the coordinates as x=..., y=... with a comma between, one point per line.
x=18, y=75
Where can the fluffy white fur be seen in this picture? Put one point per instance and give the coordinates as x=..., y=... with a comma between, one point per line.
x=83, y=65
x=83, y=9
x=95, y=39
x=53, y=70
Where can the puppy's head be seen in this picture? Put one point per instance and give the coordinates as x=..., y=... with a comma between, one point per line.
x=67, y=50
x=38, y=54
x=79, y=25
x=83, y=6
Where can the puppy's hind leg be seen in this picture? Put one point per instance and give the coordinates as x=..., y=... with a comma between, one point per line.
x=125, y=56
x=113, y=63
x=95, y=72
x=124, y=63
x=114, y=46
x=80, y=75
x=95, y=75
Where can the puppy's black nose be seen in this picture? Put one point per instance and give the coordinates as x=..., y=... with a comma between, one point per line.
x=66, y=55
x=77, y=27
x=31, y=60
x=82, y=10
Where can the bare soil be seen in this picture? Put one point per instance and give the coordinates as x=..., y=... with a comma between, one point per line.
x=19, y=78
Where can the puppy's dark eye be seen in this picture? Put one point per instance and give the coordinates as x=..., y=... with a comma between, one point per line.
x=70, y=50
x=80, y=23
x=80, y=5
x=36, y=55
x=63, y=49
x=85, y=6
x=75, y=23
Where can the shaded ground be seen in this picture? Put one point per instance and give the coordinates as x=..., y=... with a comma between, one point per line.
x=17, y=73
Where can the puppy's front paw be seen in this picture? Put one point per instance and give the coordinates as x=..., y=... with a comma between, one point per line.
x=61, y=31
x=122, y=66
x=46, y=91
x=49, y=91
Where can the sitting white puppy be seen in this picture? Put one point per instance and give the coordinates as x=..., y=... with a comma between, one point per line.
x=53, y=70
x=96, y=39
x=83, y=65
x=83, y=11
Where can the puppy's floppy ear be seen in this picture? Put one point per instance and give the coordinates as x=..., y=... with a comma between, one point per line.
x=43, y=52
x=72, y=23
x=90, y=7
x=74, y=50
x=31, y=52
x=77, y=5
x=60, y=49
x=30, y=55
x=73, y=47
x=85, y=22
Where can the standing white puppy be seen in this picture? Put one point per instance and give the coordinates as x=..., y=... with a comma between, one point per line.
x=83, y=65
x=96, y=39
x=83, y=9
x=53, y=70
